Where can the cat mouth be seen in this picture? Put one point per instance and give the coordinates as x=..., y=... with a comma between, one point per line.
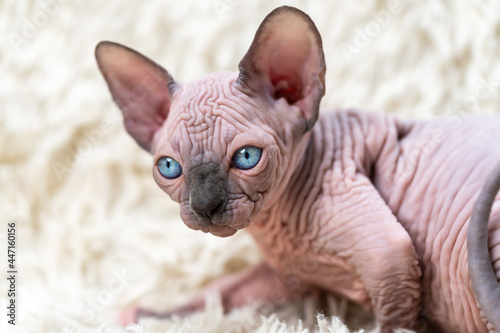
x=223, y=224
x=219, y=230
x=207, y=226
x=216, y=228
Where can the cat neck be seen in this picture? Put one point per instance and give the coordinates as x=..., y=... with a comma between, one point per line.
x=285, y=212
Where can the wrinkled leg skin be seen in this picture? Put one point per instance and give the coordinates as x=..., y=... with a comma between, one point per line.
x=258, y=283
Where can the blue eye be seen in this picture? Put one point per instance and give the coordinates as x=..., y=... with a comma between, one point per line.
x=169, y=167
x=247, y=157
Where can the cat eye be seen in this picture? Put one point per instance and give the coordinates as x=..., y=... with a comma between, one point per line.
x=169, y=168
x=247, y=157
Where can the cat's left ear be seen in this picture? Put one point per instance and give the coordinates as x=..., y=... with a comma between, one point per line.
x=286, y=60
x=141, y=88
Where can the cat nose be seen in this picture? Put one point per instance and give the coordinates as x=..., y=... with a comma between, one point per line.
x=207, y=189
x=207, y=206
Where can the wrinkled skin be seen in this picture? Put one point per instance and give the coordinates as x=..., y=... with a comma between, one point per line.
x=362, y=204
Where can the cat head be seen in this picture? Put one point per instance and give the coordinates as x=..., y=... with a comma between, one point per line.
x=226, y=145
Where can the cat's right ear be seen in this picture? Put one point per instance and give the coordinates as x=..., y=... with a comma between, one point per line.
x=286, y=60
x=141, y=88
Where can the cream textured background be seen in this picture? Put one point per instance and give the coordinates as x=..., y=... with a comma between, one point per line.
x=95, y=234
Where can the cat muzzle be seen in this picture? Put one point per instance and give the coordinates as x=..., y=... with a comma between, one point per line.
x=207, y=193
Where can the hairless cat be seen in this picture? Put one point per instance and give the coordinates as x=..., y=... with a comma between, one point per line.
x=361, y=204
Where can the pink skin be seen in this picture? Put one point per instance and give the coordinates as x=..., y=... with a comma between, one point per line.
x=362, y=205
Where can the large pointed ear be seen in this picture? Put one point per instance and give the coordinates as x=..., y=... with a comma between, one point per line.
x=141, y=89
x=286, y=60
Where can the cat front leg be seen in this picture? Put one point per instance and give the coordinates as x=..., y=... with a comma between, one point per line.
x=258, y=283
x=361, y=229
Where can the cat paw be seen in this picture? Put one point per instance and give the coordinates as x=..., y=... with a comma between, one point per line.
x=128, y=316
x=133, y=315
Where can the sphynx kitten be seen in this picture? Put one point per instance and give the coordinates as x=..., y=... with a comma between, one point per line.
x=379, y=207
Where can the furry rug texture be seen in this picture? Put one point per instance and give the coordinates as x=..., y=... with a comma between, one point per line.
x=94, y=233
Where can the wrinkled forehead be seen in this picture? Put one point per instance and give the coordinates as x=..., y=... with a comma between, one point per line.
x=207, y=115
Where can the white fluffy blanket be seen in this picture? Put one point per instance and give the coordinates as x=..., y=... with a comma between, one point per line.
x=94, y=234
